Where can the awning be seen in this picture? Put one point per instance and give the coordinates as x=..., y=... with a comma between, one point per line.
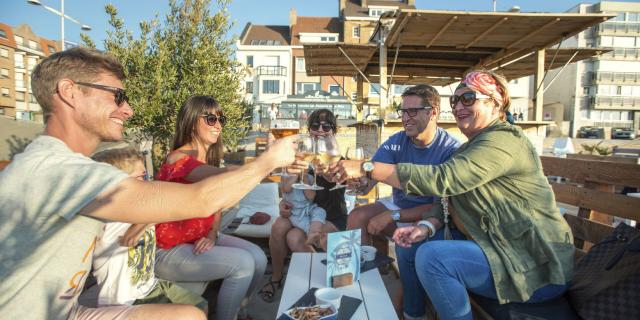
x=438, y=47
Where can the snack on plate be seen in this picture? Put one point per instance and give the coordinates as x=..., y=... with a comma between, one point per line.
x=316, y=312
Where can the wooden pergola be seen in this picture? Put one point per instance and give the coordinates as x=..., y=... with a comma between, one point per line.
x=439, y=47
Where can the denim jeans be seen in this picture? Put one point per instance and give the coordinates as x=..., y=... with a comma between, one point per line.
x=413, y=294
x=447, y=269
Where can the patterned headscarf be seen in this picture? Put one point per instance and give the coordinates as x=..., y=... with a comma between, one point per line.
x=485, y=84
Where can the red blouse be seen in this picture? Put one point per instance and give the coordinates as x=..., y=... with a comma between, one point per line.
x=171, y=234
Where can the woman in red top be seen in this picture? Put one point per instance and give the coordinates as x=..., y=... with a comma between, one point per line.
x=193, y=250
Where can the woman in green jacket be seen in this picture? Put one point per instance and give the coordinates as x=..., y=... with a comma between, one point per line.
x=518, y=248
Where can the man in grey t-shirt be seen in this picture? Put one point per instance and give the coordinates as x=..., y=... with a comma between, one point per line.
x=53, y=198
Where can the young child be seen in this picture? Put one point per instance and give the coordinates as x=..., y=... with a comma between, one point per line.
x=124, y=258
x=305, y=214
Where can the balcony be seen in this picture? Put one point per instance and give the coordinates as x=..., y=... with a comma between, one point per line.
x=618, y=78
x=631, y=54
x=617, y=28
x=615, y=103
x=271, y=71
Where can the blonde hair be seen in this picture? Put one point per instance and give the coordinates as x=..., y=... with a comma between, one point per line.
x=121, y=158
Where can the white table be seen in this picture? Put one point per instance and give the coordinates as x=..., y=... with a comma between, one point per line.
x=307, y=271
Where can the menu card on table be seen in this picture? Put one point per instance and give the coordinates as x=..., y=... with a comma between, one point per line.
x=343, y=258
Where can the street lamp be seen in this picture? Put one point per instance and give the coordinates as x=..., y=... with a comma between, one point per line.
x=62, y=17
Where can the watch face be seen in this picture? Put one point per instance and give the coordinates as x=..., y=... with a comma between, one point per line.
x=367, y=166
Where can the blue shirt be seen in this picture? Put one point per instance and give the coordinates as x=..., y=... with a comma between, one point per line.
x=400, y=149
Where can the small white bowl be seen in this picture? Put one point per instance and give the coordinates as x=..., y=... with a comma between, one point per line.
x=328, y=296
x=368, y=252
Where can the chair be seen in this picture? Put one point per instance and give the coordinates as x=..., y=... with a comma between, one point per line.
x=563, y=146
x=264, y=198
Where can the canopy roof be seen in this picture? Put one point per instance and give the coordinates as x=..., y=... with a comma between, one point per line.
x=438, y=47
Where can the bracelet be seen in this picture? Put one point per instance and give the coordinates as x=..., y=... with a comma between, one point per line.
x=429, y=225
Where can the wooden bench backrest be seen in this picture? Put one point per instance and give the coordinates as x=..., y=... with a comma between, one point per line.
x=591, y=186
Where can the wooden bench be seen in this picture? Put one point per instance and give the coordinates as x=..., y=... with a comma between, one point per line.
x=590, y=185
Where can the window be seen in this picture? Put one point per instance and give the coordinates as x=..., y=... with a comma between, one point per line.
x=619, y=90
x=4, y=53
x=32, y=98
x=302, y=87
x=398, y=89
x=19, y=96
x=376, y=12
x=619, y=17
x=271, y=86
x=19, y=60
x=334, y=89
x=51, y=49
x=3, y=34
x=585, y=90
x=33, y=61
x=374, y=89
x=633, y=17
x=249, y=87
x=19, y=40
x=250, y=61
x=33, y=44
x=19, y=79
x=300, y=64
x=356, y=32
x=4, y=73
x=5, y=92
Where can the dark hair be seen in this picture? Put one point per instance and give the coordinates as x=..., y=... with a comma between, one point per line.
x=428, y=94
x=77, y=64
x=187, y=122
x=322, y=115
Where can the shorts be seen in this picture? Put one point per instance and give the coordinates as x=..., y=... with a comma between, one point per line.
x=168, y=292
x=104, y=313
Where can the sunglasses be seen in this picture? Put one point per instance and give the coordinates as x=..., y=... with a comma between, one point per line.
x=326, y=127
x=412, y=112
x=467, y=99
x=119, y=94
x=211, y=119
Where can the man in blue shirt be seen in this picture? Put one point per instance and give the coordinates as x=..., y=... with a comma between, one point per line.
x=421, y=142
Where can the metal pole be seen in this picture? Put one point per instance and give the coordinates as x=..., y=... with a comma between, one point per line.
x=62, y=23
x=494, y=5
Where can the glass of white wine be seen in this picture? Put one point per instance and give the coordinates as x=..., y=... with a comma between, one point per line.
x=355, y=154
x=306, y=146
x=321, y=157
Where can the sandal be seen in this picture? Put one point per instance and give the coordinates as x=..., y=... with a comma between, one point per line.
x=266, y=295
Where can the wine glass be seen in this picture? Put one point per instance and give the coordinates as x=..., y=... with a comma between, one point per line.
x=306, y=153
x=333, y=156
x=321, y=157
x=355, y=154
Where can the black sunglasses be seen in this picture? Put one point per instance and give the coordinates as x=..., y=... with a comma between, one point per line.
x=326, y=127
x=119, y=94
x=467, y=99
x=211, y=119
x=412, y=112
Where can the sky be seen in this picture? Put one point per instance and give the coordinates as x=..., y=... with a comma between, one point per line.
x=274, y=12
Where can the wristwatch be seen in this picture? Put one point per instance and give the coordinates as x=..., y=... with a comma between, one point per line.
x=429, y=225
x=395, y=215
x=367, y=167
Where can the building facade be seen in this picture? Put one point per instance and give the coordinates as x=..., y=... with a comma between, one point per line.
x=20, y=52
x=603, y=91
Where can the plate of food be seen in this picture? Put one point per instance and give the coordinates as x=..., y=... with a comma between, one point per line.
x=317, y=312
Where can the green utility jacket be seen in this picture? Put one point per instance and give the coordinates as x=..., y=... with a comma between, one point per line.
x=497, y=189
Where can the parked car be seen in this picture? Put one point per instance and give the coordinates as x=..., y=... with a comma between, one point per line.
x=623, y=133
x=590, y=132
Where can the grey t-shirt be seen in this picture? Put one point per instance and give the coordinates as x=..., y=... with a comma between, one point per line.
x=45, y=247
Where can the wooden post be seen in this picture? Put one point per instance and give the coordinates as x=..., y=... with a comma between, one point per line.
x=359, y=97
x=383, y=73
x=539, y=86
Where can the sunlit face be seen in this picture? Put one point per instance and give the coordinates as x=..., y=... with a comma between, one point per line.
x=476, y=117
x=98, y=113
x=321, y=128
x=206, y=133
x=139, y=171
x=415, y=125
